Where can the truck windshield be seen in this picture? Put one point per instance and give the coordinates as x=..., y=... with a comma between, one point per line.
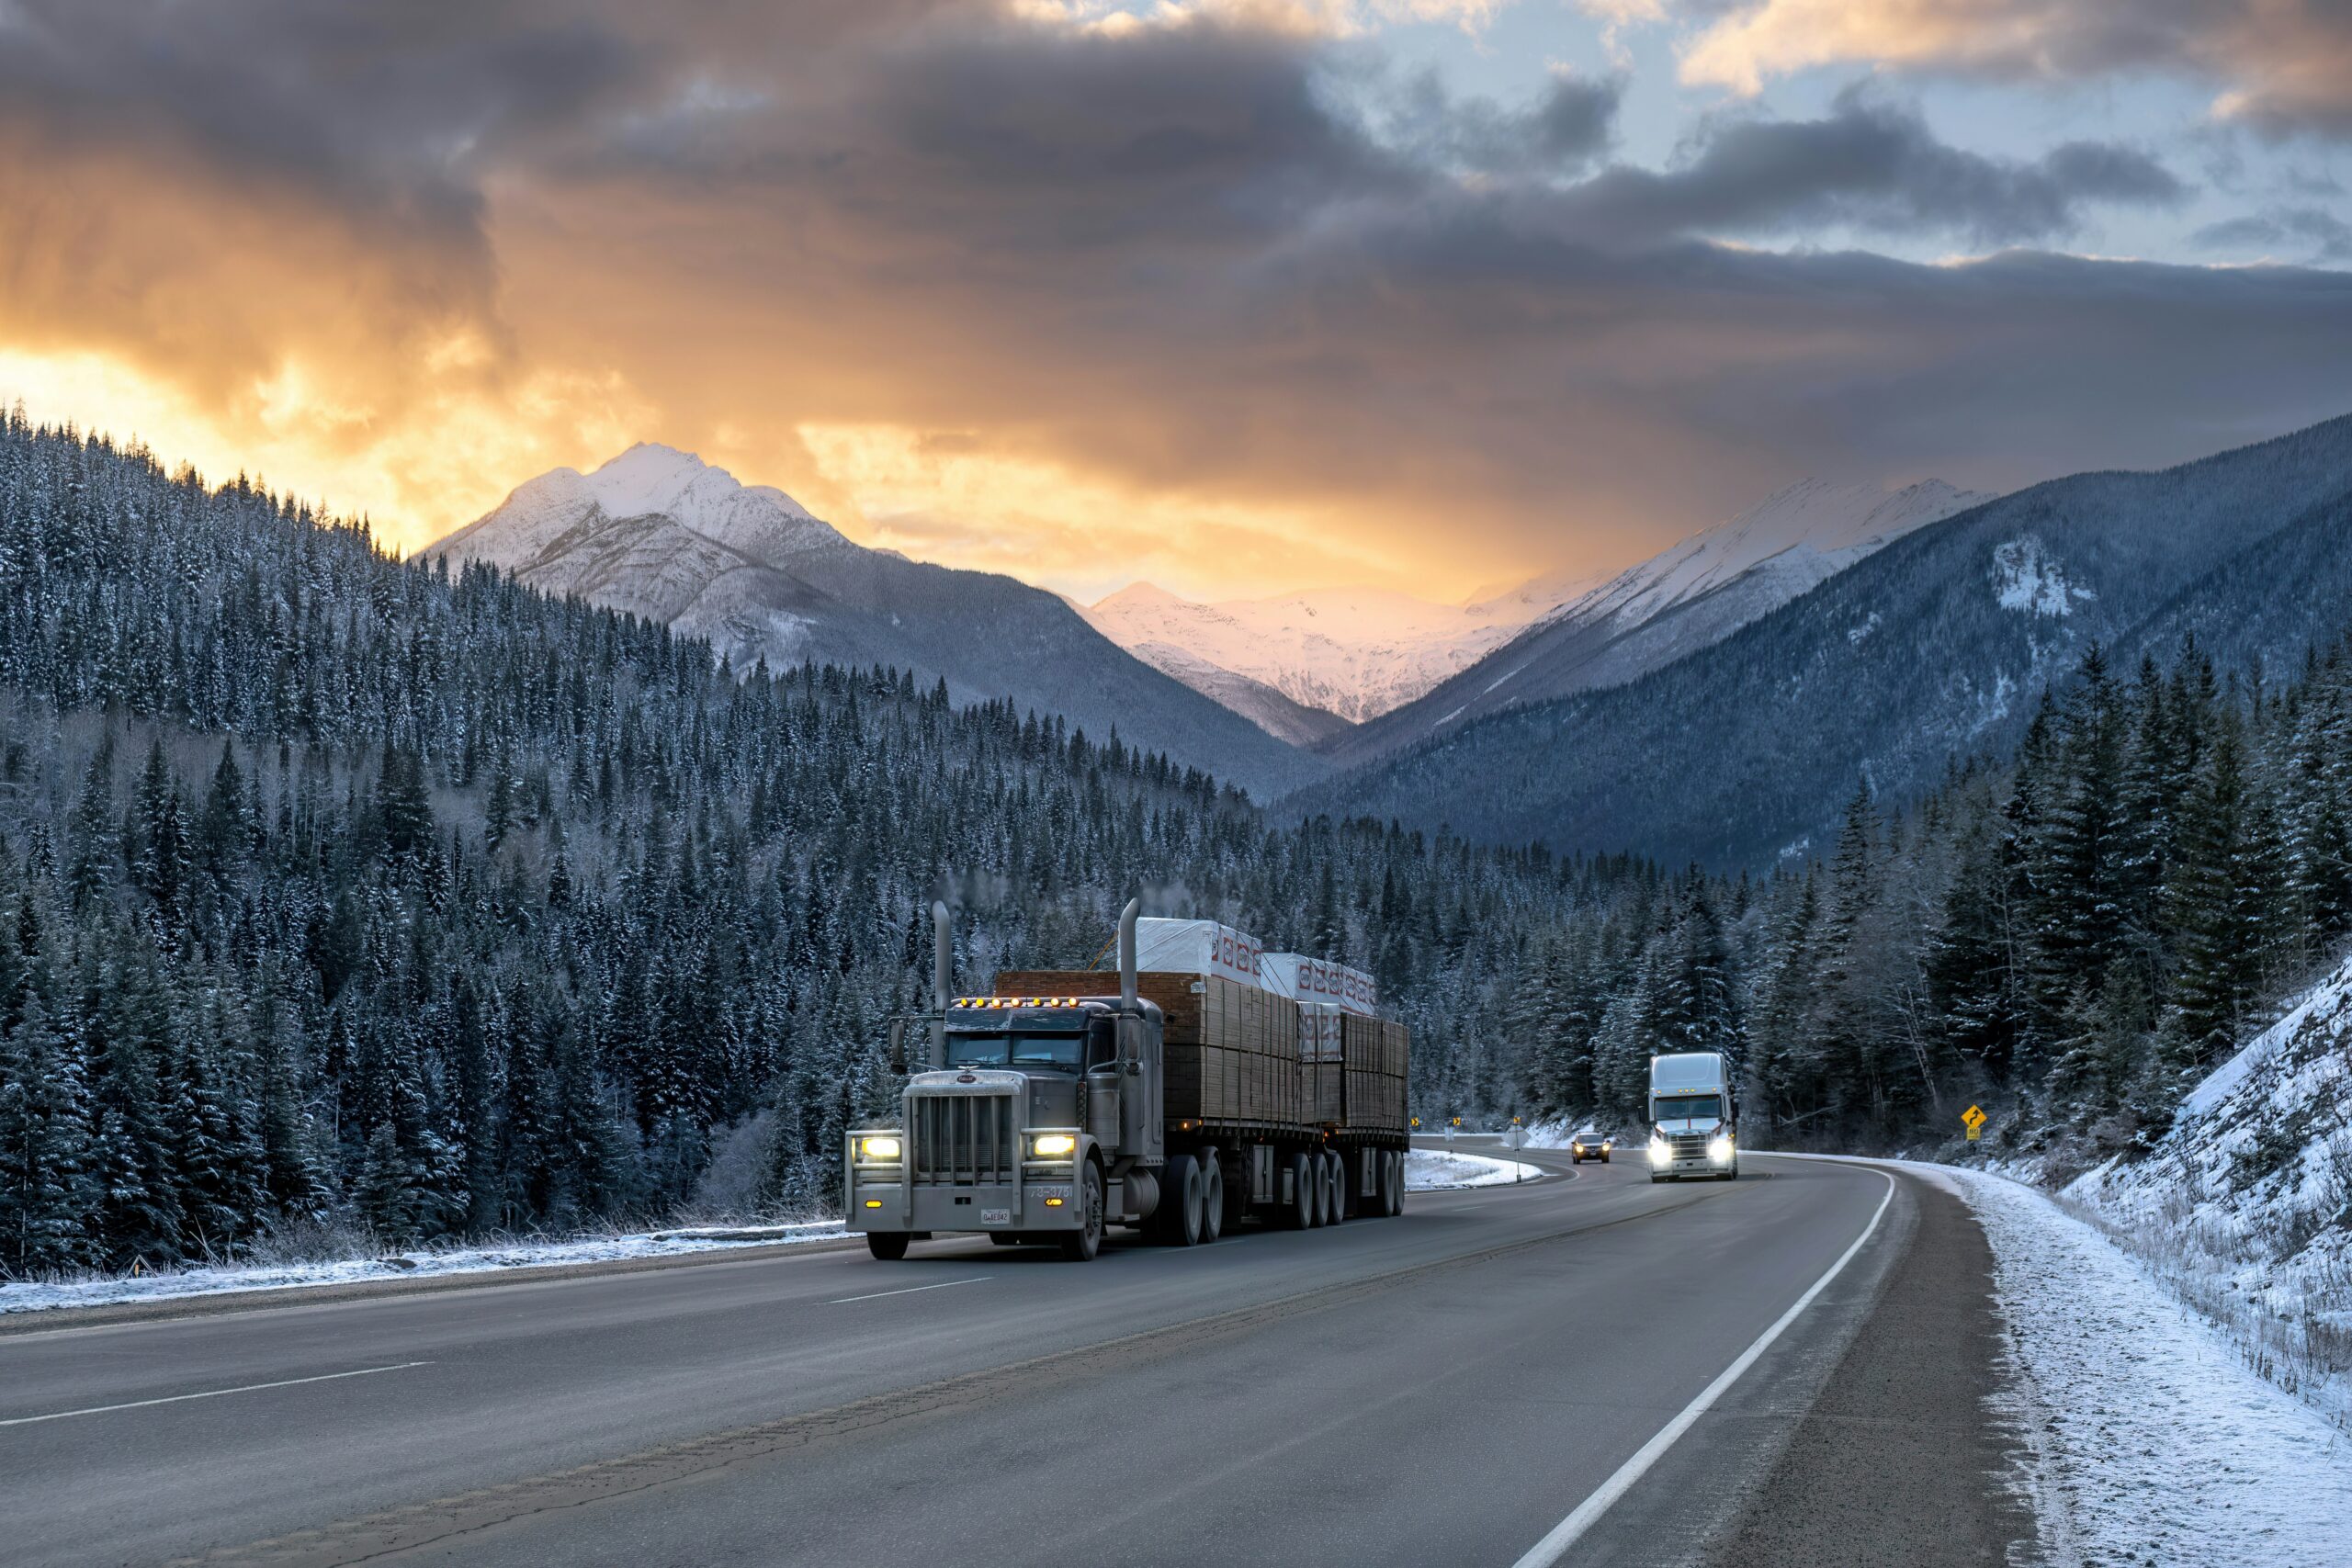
x=1691, y=1108
x=1058, y=1049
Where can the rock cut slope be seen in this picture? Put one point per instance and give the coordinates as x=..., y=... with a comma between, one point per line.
x=661, y=533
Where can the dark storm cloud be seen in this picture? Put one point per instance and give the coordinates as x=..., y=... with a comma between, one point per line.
x=1230, y=259
x=2322, y=234
x=1867, y=166
x=1560, y=134
x=2282, y=66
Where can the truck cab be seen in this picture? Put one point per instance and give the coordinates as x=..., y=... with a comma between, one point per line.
x=1029, y=1123
x=1694, y=1118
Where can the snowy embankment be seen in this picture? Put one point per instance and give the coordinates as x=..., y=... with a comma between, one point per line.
x=2244, y=1208
x=1443, y=1170
x=2148, y=1437
x=171, y=1286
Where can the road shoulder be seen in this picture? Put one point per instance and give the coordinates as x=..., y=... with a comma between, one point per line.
x=1902, y=1456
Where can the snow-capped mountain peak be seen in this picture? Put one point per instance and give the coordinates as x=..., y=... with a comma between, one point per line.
x=1801, y=534
x=1355, y=652
x=546, y=517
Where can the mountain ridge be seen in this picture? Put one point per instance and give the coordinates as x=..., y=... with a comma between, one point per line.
x=1692, y=594
x=659, y=533
x=1928, y=651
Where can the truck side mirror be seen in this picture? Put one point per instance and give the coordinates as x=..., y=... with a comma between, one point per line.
x=898, y=1045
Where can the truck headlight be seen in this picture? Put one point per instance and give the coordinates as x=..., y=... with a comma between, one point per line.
x=1054, y=1145
x=877, y=1148
x=1660, y=1153
x=1719, y=1150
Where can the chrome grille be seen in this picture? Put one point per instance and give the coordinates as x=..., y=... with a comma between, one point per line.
x=1689, y=1146
x=964, y=1140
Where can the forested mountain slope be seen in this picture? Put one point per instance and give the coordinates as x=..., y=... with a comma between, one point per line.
x=661, y=533
x=334, y=889
x=1934, y=647
x=339, y=890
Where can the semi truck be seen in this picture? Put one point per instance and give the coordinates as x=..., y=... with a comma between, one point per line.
x=1181, y=1100
x=1694, y=1118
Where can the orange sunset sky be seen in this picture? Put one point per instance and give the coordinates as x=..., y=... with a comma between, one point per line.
x=1240, y=296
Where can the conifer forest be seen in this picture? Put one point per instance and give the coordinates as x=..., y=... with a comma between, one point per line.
x=337, y=891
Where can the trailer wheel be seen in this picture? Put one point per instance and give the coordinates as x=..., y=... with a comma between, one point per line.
x=1211, y=1196
x=1395, y=1181
x=1081, y=1247
x=1179, y=1201
x=888, y=1246
x=1300, y=1213
x=1335, y=1188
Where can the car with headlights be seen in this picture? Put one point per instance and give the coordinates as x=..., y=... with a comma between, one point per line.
x=1590, y=1143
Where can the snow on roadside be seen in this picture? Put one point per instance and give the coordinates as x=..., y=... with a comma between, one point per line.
x=1443, y=1170
x=2150, y=1441
x=2245, y=1208
x=43, y=1296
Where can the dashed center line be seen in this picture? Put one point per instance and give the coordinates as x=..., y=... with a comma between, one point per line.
x=909, y=1290
x=209, y=1394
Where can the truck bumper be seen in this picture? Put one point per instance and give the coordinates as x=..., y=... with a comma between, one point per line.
x=1700, y=1166
x=1029, y=1208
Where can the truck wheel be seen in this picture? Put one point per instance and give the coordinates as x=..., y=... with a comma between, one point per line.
x=1179, y=1201
x=1335, y=1186
x=1211, y=1196
x=1395, y=1181
x=1300, y=1213
x=888, y=1246
x=1081, y=1247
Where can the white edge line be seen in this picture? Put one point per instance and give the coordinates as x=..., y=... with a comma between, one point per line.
x=1545, y=1554
x=209, y=1394
x=909, y=1290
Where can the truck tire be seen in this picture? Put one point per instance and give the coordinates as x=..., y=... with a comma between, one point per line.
x=1395, y=1181
x=1081, y=1246
x=1179, y=1201
x=1299, y=1214
x=1335, y=1188
x=1211, y=1196
x=888, y=1246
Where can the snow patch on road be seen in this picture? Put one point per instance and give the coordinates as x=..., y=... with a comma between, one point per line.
x=1443, y=1170
x=38, y=1296
x=2152, y=1441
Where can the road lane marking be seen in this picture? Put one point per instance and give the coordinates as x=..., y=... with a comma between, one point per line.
x=1554, y=1546
x=209, y=1394
x=909, y=1290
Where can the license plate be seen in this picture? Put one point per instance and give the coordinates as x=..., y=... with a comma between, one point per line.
x=996, y=1216
x=1061, y=1192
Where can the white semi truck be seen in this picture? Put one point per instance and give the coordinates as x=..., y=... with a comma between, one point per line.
x=1694, y=1118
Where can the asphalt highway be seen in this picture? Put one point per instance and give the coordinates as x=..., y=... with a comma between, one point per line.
x=1668, y=1375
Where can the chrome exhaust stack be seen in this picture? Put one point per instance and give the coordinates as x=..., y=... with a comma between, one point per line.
x=1127, y=955
x=943, y=980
